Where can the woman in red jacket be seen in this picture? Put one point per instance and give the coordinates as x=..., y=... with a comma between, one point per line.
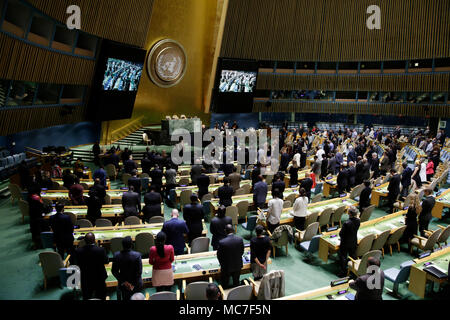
x=161, y=258
x=430, y=169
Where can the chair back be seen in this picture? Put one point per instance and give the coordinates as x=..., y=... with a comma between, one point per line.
x=108, y=199
x=269, y=179
x=251, y=223
x=116, y=245
x=239, y=192
x=246, y=188
x=212, y=179
x=185, y=197
x=241, y=293
x=381, y=240
x=16, y=192
x=283, y=239
x=316, y=198
x=337, y=215
x=110, y=170
x=311, y=231
x=156, y=219
x=84, y=223
x=103, y=223
x=200, y=244
x=311, y=218
x=362, y=269
x=367, y=212
x=47, y=240
x=24, y=208
x=73, y=217
x=207, y=197
x=51, y=262
x=356, y=191
x=132, y=221
x=242, y=207
x=164, y=295
x=443, y=237
x=314, y=244
x=291, y=197
x=184, y=181
x=144, y=241
x=395, y=237
x=405, y=269
x=125, y=177
x=431, y=242
x=196, y=291
x=287, y=204
x=365, y=245
x=325, y=217
x=232, y=211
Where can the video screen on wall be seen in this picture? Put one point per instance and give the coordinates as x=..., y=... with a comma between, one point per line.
x=122, y=75
x=237, y=81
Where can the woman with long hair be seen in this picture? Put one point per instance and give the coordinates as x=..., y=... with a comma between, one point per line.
x=414, y=210
x=300, y=210
x=161, y=258
x=416, y=175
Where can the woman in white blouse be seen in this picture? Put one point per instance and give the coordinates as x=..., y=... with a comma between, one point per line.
x=423, y=170
x=274, y=212
x=300, y=210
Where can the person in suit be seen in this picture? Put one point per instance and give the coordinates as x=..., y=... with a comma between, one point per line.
x=364, y=196
x=227, y=168
x=366, y=169
x=156, y=175
x=127, y=269
x=62, y=228
x=95, y=201
x=351, y=155
x=332, y=165
x=284, y=162
x=256, y=172
x=91, y=260
x=364, y=290
x=196, y=171
x=146, y=164
x=78, y=168
x=359, y=171
x=277, y=183
x=135, y=182
x=324, y=167
x=375, y=165
x=414, y=209
x=260, y=193
x=203, y=182
x=406, y=179
x=426, y=216
x=384, y=164
x=229, y=254
x=351, y=172
x=349, y=239
x=100, y=174
x=161, y=257
x=193, y=215
x=293, y=172
x=342, y=180
x=152, y=207
x=76, y=195
x=96, y=151
x=394, y=189
x=316, y=168
x=307, y=184
x=129, y=165
x=235, y=179
x=131, y=203
x=260, y=249
x=217, y=227
x=175, y=229
x=225, y=193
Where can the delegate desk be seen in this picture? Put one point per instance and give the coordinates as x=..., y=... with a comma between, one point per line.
x=64, y=194
x=194, y=189
x=301, y=176
x=329, y=185
x=187, y=267
x=442, y=201
x=288, y=218
x=330, y=241
x=378, y=193
x=341, y=292
x=89, y=183
x=86, y=172
x=104, y=234
x=418, y=277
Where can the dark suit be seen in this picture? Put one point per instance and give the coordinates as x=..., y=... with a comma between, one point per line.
x=91, y=260
x=362, y=290
x=229, y=254
x=156, y=175
x=375, y=167
x=394, y=191
x=332, y=165
x=235, y=179
x=136, y=183
x=364, y=198
x=196, y=171
x=425, y=216
x=324, y=168
x=193, y=215
x=227, y=169
x=406, y=180
x=225, y=194
x=359, y=176
x=342, y=181
x=217, y=229
x=260, y=194
x=152, y=206
x=100, y=174
x=62, y=228
x=349, y=241
x=366, y=171
x=129, y=166
x=203, y=185
x=131, y=203
x=352, y=156
x=127, y=267
x=351, y=172
x=285, y=159
x=307, y=185
x=97, y=194
x=280, y=185
x=175, y=230
x=146, y=165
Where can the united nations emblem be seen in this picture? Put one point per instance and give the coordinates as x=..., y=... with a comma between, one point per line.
x=166, y=63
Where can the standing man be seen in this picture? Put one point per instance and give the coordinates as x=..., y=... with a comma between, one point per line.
x=217, y=227
x=131, y=203
x=152, y=206
x=127, y=269
x=203, y=182
x=394, y=190
x=62, y=228
x=342, y=180
x=97, y=194
x=225, y=193
x=135, y=182
x=96, y=151
x=129, y=165
x=175, y=229
x=278, y=184
x=406, y=179
x=100, y=174
x=193, y=215
x=156, y=175
x=349, y=239
x=260, y=193
x=351, y=172
x=196, y=171
x=307, y=184
x=91, y=260
x=260, y=249
x=235, y=179
x=229, y=254
x=364, y=197
x=425, y=216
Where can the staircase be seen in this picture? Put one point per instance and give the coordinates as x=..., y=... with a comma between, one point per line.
x=133, y=138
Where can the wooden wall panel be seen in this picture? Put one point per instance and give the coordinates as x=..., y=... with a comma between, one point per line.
x=125, y=21
x=330, y=30
x=21, y=61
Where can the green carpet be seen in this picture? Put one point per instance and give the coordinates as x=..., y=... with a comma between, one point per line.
x=21, y=276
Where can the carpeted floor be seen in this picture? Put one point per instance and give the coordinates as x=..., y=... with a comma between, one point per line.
x=21, y=276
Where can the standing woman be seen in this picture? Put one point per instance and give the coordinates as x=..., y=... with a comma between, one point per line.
x=293, y=171
x=416, y=175
x=300, y=210
x=161, y=258
x=37, y=210
x=430, y=169
x=414, y=209
x=423, y=171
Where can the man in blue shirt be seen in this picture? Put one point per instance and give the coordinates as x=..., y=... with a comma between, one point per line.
x=100, y=174
x=175, y=229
